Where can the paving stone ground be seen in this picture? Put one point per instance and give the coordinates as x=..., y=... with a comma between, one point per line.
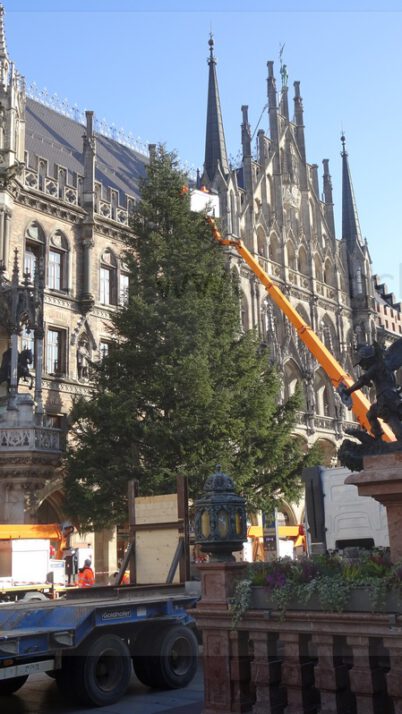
x=40, y=696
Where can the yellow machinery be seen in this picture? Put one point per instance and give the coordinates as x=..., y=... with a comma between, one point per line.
x=26, y=531
x=294, y=533
x=331, y=366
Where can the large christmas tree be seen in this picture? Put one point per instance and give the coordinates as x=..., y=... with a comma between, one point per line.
x=182, y=388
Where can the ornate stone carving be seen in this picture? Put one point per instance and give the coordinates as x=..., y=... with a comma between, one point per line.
x=31, y=179
x=104, y=209
x=71, y=195
x=51, y=187
x=16, y=438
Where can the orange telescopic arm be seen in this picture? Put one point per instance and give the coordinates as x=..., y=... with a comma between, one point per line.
x=313, y=343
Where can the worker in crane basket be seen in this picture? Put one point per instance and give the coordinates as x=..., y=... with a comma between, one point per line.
x=86, y=576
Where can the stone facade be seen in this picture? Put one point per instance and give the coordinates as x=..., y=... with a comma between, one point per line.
x=65, y=199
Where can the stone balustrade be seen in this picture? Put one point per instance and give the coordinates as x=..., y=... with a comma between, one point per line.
x=72, y=196
x=304, y=662
x=30, y=438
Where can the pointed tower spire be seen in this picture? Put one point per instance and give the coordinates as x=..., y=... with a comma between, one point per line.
x=350, y=219
x=215, y=146
x=299, y=133
x=4, y=60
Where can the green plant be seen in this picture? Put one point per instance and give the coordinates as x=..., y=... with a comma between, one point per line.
x=330, y=577
x=240, y=602
x=333, y=592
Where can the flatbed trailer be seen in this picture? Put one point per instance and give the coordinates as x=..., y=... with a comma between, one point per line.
x=90, y=640
x=30, y=592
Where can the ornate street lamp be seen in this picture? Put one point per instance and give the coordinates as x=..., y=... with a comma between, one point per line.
x=220, y=518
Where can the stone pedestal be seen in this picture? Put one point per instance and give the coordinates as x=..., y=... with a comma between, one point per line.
x=381, y=479
x=226, y=667
x=218, y=581
x=29, y=456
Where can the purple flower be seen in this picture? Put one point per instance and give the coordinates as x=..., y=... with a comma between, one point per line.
x=276, y=579
x=308, y=570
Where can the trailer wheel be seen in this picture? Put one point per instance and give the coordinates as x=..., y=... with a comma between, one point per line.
x=170, y=661
x=34, y=597
x=102, y=671
x=9, y=686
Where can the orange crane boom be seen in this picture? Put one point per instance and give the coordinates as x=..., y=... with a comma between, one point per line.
x=330, y=365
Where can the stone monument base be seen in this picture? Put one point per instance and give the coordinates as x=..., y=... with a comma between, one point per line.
x=381, y=479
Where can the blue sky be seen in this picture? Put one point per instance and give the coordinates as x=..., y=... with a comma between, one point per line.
x=142, y=66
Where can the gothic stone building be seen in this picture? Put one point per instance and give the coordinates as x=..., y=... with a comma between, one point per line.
x=66, y=192
x=274, y=202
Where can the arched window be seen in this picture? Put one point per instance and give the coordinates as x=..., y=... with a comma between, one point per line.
x=34, y=248
x=291, y=255
x=318, y=267
x=57, y=266
x=302, y=261
x=358, y=282
x=244, y=313
x=274, y=248
x=293, y=380
x=324, y=394
x=108, y=278
x=328, y=273
x=123, y=284
x=328, y=452
x=261, y=242
x=329, y=335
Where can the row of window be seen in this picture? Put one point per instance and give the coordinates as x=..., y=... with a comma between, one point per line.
x=55, y=355
x=112, y=288
x=113, y=280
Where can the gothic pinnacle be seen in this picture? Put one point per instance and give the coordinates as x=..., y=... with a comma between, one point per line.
x=211, y=48
x=3, y=46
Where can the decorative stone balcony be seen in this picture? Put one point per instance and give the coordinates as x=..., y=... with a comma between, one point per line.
x=32, y=438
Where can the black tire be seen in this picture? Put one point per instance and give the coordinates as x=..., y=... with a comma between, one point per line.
x=9, y=686
x=34, y=597
x=141, y=657
x=101, y=672
x=170, y=661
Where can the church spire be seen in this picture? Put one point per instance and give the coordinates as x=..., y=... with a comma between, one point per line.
x=4, y=60
x=215, y=146
x=350, y=220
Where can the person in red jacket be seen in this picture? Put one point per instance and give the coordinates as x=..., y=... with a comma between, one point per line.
x=86, y=576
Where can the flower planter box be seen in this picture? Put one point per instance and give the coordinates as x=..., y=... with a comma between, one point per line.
x=359, y=601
